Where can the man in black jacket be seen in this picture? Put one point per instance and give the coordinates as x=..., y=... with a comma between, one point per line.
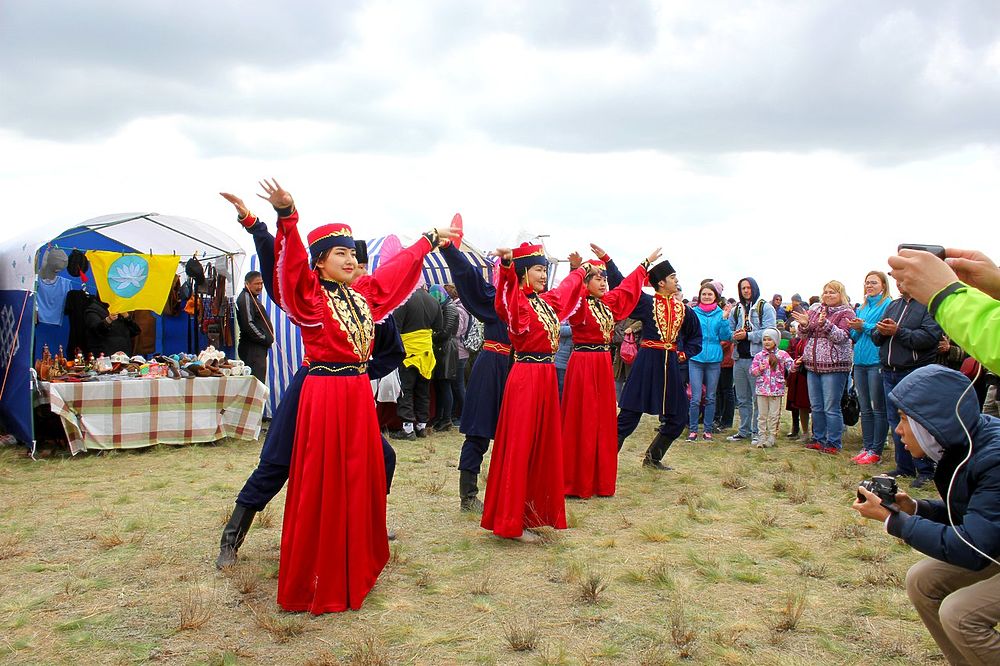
x=256, y=335
x=419, y=320
x=907, y=338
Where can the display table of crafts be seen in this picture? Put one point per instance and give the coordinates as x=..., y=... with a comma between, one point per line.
x=134, y=413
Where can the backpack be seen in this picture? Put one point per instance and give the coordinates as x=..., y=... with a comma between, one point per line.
x=629, y=349
x=474, y=335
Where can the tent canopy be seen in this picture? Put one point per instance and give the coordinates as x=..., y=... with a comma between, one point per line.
x=151, y=233
x=124, y=232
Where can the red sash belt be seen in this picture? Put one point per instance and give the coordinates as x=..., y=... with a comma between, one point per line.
x=658, y=344
x=496, y=347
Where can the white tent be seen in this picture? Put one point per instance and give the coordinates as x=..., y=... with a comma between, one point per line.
x=151, y=233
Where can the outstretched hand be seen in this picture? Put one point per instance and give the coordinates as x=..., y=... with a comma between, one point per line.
x=575, y=260
x=598, y=251
x=504, y=253
x=276, y=195
x=237, y=203
x=654, y=255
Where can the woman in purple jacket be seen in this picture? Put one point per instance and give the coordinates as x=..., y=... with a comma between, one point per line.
x=828, y=356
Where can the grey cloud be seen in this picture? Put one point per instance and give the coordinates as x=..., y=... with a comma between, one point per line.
x=846, y=81
x=851, y=77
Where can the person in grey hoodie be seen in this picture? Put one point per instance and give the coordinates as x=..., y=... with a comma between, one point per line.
x=748, y=319
x=956, y=589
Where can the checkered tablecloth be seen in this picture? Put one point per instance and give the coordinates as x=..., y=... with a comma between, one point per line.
x=137, y=413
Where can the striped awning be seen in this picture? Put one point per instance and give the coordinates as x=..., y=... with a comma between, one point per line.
x=435, y=269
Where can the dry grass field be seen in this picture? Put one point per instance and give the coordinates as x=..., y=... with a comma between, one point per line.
x=740, y=556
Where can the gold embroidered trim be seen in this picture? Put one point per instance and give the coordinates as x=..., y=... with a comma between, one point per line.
x=350, y=310
x=340, y=232
x=668, y=321
x=602, y=313
x=547, y=316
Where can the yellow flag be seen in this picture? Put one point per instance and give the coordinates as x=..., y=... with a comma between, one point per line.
x=133, y=281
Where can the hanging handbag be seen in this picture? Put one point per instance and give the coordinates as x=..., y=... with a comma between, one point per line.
x=628, y=349
x=850, y=407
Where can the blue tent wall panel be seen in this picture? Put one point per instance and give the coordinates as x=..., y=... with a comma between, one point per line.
x=15, y=404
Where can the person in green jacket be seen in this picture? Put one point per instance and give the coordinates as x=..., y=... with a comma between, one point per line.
x=962, y=293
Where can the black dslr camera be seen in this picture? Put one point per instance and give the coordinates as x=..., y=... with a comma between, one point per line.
x=883, y=486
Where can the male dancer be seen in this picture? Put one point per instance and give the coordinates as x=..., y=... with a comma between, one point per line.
x=669, y=330
x=276, y=455
x=484, y=392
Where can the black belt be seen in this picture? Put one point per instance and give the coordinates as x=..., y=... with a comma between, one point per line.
x=333, y=369
x=591, y=348
x=532, y=357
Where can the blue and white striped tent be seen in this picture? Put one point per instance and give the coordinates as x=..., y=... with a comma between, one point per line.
x=288, y=351
x=435, y=269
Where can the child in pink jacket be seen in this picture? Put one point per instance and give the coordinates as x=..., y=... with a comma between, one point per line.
x=769, y=367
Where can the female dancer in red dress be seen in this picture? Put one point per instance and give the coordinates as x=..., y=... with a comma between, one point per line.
x=333, y=540
x=589, y=419
x=525, y=484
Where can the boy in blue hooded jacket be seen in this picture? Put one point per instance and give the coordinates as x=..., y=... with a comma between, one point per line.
x=956, y=591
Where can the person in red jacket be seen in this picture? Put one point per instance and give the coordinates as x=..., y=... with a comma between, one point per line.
x=589, y=421
x=333, y=540
x=525, y=485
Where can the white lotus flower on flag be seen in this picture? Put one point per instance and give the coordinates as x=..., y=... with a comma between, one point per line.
x=133, y=274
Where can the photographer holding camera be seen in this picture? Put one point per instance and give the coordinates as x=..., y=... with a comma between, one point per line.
x=956, y=591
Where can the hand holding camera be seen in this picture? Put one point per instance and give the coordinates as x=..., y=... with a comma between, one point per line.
x=879, y=496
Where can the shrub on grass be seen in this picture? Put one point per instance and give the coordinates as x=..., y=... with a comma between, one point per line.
x=788, y=617
x=520, y=637
x=195, y=611
x=592, y=585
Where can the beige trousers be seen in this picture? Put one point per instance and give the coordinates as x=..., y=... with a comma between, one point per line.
x=768, y=418
x=960, y=609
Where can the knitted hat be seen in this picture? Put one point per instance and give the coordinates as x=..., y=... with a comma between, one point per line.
x=773, y=334
x=55, y=260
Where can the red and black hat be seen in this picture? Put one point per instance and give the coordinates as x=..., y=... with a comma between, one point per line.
x=327, y=236
x=599, y=265
x=528, y=255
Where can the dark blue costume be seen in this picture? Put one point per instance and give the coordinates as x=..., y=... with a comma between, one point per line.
x=275, y=456
x=655, y=385
x=484, y=392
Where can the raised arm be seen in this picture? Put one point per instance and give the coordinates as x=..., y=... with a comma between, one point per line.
x=263, y=240
x=624, y=296
x=297, y=289
x=622, y=299
x=478, y=296
x=394, y=280
x=565, y=298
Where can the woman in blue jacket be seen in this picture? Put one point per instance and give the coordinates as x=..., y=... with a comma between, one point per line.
x=867, y=376
x=703, y=369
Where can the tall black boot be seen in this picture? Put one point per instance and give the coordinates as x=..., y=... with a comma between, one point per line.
x=621, y=442
x=468, y=491
x=657, y=449
x=233, y=534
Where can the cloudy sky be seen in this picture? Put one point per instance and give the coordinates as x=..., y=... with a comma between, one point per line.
x=793, y=141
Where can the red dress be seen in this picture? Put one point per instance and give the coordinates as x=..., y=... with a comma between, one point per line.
x=589, y=419
x=525, y=484
x=333, y=539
